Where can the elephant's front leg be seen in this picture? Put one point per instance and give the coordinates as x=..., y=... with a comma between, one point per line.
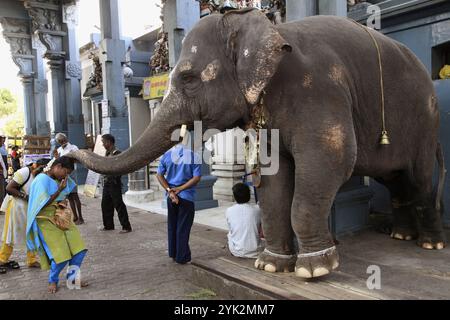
x=275, y=196
x=318, y=177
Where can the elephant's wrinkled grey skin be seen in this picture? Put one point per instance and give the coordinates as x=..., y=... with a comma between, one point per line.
x=321, y=82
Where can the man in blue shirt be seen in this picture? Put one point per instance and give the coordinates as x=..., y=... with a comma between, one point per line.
x=178, y=172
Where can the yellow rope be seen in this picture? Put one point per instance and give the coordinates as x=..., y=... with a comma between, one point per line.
x=384, y=132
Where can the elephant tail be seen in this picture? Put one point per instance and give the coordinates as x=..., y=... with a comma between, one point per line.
x=442, y=173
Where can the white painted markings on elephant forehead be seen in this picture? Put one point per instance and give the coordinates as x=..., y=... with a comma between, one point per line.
x=194, y=49
x=185, y=66
x=210, y=72
x=246, y=53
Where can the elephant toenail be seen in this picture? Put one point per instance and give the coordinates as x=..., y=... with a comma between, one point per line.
x=270, y=268
x=427, y=246
x=399, y=236
x=257, y=262
x=303, y=273
x=335, y=265
x=440, y=246
x=319, y=272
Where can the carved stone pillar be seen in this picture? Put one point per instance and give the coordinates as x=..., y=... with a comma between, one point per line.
x=72, y=78
x=46, y=24
x=56, y=65
x=40, y=88
x=28, y=102
x=228, y=162
x=17, y=33
x=115, y=119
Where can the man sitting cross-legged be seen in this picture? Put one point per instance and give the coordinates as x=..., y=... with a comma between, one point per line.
x=244, y=224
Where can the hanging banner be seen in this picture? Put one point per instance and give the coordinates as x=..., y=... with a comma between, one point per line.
x=155, y=87
x=32, y=158
x=93, y=178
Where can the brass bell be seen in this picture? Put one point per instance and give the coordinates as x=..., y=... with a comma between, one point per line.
x=384, y=139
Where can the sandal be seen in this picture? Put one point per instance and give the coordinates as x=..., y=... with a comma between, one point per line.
x=13, y=265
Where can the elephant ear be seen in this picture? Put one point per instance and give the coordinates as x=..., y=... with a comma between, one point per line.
x=255, y=47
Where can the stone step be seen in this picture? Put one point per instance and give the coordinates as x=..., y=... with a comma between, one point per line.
x=235, y=278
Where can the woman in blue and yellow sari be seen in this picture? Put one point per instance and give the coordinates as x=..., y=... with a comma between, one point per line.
x=56, y=247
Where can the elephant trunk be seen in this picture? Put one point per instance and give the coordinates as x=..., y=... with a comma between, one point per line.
x=155, y=140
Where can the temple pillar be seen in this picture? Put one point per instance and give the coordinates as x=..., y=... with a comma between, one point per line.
x=59, y=111
x=40, y=88
x=228, y=163
x=115, y=114
x=73, y=76
x=17, y=34
x=75, y=121
x=46, y=25
x=28, y=103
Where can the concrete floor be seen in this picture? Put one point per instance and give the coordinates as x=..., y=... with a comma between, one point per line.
x=136, y=266
x=214, y=217
x=132, y=266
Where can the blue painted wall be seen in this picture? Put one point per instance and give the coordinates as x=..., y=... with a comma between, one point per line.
x=421, y=36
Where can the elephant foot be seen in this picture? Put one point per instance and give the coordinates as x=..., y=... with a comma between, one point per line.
x=431, y=242
x=403, y=233
x=317, y=264
x=273, y=262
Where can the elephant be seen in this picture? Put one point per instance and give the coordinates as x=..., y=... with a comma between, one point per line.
x=319, y=80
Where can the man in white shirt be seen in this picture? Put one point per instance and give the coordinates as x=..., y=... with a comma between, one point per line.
x=244, y=224
x=74, y=200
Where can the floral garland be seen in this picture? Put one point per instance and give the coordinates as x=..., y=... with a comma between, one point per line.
x=49, y=165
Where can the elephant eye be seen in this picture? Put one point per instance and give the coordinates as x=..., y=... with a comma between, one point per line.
x=187, y=78
x=191, y=83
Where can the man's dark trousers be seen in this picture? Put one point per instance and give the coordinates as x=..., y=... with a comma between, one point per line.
x=112, y=199
x=180, y=218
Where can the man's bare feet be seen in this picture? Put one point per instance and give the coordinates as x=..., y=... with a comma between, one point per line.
x=84, y=284
x=52, y=288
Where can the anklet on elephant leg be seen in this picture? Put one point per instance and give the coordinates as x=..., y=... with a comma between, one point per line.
x=277, y=255
x=318, y=253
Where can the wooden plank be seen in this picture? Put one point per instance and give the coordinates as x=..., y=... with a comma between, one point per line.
x=324, y=288
x=243, y=277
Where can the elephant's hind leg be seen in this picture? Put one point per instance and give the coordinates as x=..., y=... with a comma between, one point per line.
x=427, y=217
x=402, y=198
x=275, y=195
